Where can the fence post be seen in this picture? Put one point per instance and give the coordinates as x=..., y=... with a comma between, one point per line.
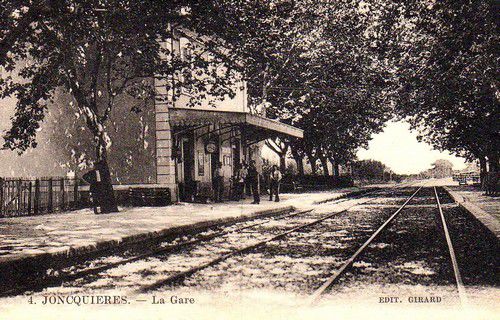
x=24, y=189
x=1, y=197
x=19, y=196
x=75, y=193
x=63, y=195
x=51, y=197
x=30, y=197
x=37, y=197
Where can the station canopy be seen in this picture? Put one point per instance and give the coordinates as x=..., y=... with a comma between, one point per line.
x=253, y=128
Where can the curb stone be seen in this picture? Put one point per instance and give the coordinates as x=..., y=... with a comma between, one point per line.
x=490, y=222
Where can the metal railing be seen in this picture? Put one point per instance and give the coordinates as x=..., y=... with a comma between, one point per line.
x=27, y=197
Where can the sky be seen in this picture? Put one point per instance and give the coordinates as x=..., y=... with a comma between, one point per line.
x=398, y=148
x=6, y=111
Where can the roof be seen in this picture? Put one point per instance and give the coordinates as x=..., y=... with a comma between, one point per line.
x=257, y=124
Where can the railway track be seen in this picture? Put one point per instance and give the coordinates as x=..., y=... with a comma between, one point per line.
x=451, y=250
x=221, y=248
x=182, y=275
x=336, y=274
x=63, y=276
x=67, y=277
x=179, y=277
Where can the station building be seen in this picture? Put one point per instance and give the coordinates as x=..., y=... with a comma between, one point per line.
x=190, y=141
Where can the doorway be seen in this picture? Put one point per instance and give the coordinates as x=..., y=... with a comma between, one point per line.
x=214, y=159
x=235, y=145
x=187, y=183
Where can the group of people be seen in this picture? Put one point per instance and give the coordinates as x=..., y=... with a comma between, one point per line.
x=246, y=181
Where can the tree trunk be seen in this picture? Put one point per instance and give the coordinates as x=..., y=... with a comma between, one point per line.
x=299, y=160
x=300, y=165
x=335, y=168
x=493, y=162
x=106, y=195
x=312, y=161
x=324, y=164
x=282, y=162
x=281, y=151
x=483, y=172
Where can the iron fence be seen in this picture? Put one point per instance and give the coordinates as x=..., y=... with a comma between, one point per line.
x=26, y=197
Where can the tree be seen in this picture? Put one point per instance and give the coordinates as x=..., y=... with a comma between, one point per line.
x=274, y=39
x=369, y=170
x=333, y=87
x=316, y=65
x=280, y=147
x=442, y=168
x=298, y=154
x=97, y=52
x=447, y=72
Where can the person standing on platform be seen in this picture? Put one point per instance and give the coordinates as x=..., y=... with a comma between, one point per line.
x=253, y=177
x=241, y=177
x=274, y=183
x=218, y=183
x=247, y=184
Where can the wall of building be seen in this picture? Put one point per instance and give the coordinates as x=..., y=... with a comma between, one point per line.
x=65, y=145
x=165, y=165
x=183, y=40
x=238, y=103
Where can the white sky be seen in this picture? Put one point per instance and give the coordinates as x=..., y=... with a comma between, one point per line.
x=398, y=148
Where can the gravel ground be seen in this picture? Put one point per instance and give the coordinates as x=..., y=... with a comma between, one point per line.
x=477, y=250
x=121, y=255
x=411, y=251
x=410, y=257
x=301, y=260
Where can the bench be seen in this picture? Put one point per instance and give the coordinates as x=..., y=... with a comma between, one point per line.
x=154, y=197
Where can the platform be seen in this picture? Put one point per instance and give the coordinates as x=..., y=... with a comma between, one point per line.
x=484, y=208
x=37, y=239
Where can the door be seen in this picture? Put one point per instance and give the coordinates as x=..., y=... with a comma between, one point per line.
x=187, y=182
x=188, y=160
x=235, y=145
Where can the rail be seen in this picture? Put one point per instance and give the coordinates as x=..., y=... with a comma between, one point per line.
x=41, y=283
x=178, y=277
x=456, y=271
x=336, y=274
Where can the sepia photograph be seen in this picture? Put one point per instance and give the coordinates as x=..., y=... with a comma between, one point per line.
x=249, y=159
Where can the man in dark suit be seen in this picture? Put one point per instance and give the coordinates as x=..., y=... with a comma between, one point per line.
x=253, y=178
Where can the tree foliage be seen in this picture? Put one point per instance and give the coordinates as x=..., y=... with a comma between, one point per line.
x=315, y=65
x=448, y=75
x=369, y=170
x=337, y=69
